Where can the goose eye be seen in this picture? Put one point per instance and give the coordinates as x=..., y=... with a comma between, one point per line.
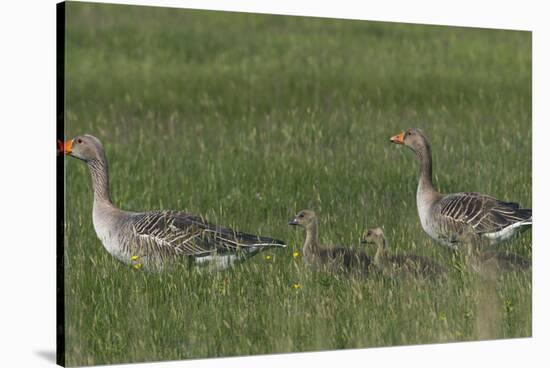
x=301, y=215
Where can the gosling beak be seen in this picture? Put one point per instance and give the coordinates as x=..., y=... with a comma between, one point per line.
x=398, y=139
x=293, y=222
x=65, y=147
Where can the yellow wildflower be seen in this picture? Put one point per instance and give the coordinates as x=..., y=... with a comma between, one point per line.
x=134, y=258
x=296, y=286
x=296, y=254
x=268, y=258
x=137, y=266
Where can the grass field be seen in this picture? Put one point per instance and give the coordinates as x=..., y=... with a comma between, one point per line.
x=247, y=119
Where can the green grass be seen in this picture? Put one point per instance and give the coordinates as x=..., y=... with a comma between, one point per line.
x=247, y=119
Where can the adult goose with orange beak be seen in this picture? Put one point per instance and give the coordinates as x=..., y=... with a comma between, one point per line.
x=157, y=237
x=446, y=217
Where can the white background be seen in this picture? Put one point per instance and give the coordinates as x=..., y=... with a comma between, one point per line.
x=27, y=181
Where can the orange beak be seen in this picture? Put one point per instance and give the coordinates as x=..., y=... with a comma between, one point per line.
x=65, y=147
x=399, y=138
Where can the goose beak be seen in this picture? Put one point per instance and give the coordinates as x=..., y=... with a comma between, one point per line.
x=398, y=139
x=65, y=147
x=293, y=222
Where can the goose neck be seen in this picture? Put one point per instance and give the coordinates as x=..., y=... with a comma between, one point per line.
x=424, y=155
x=311, y=245
x=381, y=255
x=100, y=181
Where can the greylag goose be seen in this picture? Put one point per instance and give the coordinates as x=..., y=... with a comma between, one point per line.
x=157, y=237
x=444, y=217
x=335, y=259
x=399, y=264
x=491, y=263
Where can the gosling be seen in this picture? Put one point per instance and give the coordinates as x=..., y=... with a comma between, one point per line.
x=400, y=265
x=491, y=263
x=332, y=259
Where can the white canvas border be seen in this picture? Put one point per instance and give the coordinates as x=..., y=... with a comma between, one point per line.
x=28, y=180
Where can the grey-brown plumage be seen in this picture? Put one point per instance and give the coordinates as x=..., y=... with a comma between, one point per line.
x=157, y=237
x=334, y=259
x=482, y=213
x=405, y=264
x=489, y=262
x=445, y=217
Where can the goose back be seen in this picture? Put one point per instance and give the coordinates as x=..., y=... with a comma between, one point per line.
x=457, y=213
x=415, y=264
x=507, y=261
x=342, y=259
x=161, y=235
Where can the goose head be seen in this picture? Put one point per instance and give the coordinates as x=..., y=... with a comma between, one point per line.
x=304, y=218
x=413, y=138
x=373, y=236
x=84, y=147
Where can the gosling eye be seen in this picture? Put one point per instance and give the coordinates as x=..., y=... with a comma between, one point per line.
x=78, y=140
x=301, y=215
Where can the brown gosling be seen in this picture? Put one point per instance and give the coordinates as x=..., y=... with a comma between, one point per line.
x=332, y=259
x=405, y=265
x=489, y=262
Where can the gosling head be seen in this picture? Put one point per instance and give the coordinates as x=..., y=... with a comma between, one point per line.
x=471, y=241
x=413, y=138
x=84, y=147
x=304, y=218
x=373, y=236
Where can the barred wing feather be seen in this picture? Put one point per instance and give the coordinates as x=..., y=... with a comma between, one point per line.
x=179, y=233
x=482, y=213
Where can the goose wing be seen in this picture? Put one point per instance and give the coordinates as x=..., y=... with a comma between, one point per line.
x=509, y=261
x=482, y=213
x=421, y=264
x=349, y=257
x=179, y=233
